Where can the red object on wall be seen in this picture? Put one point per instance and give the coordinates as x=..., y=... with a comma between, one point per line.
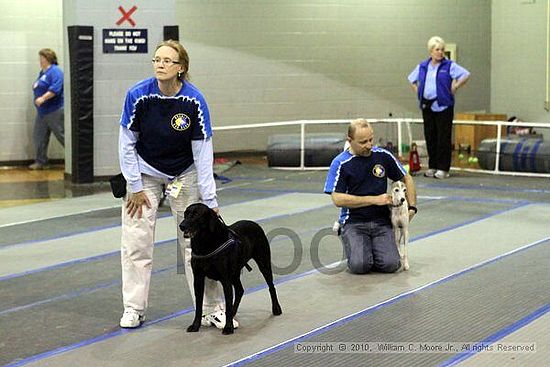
x=414, y=159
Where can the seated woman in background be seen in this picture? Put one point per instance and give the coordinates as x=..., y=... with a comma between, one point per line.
x=519, y=130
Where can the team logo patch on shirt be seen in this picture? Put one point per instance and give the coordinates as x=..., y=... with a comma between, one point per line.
x=378, y=171
x=181, y=122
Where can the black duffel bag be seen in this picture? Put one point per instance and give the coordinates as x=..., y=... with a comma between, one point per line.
x=118, y=185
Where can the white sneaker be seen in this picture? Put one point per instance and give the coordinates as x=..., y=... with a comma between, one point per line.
x=217, y=319
x=205, y=321
x=429, y=173
x=131, y=319
x=441, y=174
x=37, y=166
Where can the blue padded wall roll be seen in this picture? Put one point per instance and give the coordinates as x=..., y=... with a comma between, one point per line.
x=517, y=155
x=283, y=150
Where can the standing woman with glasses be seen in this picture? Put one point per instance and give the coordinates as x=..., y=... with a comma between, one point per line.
x=48, y=99
x=435, y=82
x=165, y=140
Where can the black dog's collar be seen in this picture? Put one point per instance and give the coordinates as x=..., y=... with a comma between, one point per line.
x=225, y=245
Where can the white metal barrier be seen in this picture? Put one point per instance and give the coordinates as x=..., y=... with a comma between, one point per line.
x=399, y=122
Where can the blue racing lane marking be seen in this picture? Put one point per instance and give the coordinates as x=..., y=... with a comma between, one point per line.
x=497, y=336
x=279, y=281
x=373, y=308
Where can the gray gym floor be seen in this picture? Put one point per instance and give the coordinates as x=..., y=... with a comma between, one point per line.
x=479, y=277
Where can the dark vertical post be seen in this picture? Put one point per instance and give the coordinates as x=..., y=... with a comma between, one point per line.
x=81, y=59
x=171, y=32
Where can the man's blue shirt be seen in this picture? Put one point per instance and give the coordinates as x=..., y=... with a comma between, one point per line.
x=363, y=176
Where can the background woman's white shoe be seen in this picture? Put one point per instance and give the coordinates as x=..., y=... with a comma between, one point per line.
x=429, y=173
x=441, y=174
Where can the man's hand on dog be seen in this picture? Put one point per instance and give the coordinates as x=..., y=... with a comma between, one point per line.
x=411, y=214
x=383, y=199
x=135, y=204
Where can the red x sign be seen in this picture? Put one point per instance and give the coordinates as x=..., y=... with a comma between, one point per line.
x=126, y=16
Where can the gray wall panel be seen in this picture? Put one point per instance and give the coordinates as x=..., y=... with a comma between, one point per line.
x=518, y=67
x=323, y=59
x=261, y=61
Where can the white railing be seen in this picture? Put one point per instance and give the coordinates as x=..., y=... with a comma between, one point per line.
x=498, y=137
x=301, y=123
x=399, y=122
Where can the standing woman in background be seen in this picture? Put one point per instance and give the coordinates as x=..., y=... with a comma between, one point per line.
x=165, y=140
x=435, y=82
x=48, y=99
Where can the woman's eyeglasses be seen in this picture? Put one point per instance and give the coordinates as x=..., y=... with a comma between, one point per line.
x=165, y=62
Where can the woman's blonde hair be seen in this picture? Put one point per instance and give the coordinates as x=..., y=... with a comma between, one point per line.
x=49, y=55
x=182, y=55
x=435, y=41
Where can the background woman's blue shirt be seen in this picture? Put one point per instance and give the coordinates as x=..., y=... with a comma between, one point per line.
x=49, y=80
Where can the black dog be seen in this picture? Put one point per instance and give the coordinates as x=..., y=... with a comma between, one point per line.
x=219, y=253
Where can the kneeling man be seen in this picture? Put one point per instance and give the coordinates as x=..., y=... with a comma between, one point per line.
x=357, y=182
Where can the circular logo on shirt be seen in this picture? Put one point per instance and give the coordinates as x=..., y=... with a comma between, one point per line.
x=181, y=122
x=378, y=171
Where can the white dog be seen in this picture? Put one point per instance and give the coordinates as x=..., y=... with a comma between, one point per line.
x=400, y=220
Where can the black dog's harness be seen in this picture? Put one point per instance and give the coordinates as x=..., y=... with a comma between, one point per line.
x=233, y=239
x=225, y=245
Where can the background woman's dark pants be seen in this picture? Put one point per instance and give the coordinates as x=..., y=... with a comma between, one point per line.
x=438, y=128
x=43, y=127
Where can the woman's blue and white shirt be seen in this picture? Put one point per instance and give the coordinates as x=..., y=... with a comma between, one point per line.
x=164, y=136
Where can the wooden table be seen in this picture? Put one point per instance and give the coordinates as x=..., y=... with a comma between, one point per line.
x=472, y=135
